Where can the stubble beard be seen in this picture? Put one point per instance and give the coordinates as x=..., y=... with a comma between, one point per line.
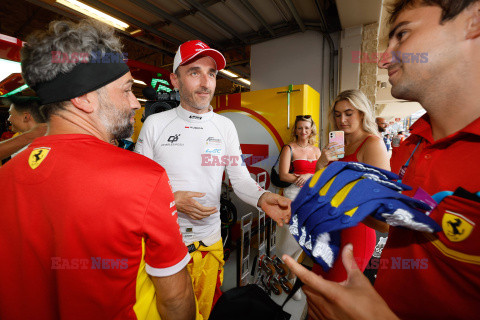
x=116, y=121
x=405, y=87
x=187, y=99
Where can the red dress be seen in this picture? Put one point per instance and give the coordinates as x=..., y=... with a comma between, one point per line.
x=362, y=237
x=302, y=166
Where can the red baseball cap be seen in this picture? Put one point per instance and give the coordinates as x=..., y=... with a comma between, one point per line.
x=190, y=49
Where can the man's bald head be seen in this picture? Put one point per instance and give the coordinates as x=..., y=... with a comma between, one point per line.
x=382, y=124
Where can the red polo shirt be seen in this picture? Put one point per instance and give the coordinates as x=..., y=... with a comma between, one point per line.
x=83, y=225
x=424, y=276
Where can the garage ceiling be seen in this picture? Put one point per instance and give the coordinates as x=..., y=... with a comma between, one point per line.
x=157, y=27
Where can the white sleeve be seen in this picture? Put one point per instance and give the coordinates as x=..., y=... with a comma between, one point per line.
x=244, y=186
x=146, y=139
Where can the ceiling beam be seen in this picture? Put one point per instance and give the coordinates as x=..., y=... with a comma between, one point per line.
x=56, y=10
x=214, y=19
x=28, y=20
x=258, y=16
x=147, y=43
x=282, y=11
x=125, y=17
x=282, y=29
x=239, y=62
x=238, y=71
x=233, y=7
x=138, y=40
x=235, y=80
x=295, y=14
x=152, y=8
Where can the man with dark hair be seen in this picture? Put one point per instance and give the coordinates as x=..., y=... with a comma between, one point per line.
x=426, y=276
x=88, y=231
x=26, y=119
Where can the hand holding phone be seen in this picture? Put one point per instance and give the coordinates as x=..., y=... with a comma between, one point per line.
x=338, y=138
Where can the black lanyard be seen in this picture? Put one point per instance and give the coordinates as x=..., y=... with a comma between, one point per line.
x=403, y=170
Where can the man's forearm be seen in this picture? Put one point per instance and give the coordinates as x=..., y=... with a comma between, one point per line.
x=175, y=297
x=10, y=146
x=181, y=309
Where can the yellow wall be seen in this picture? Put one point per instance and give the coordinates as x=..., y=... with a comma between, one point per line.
x=273, y=106
x=138, y=123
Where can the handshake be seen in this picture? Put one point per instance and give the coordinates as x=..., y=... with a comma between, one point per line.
x=343, y=194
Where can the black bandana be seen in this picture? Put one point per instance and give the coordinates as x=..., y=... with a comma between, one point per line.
x=84, y=78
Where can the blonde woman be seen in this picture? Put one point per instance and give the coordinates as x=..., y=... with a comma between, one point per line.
x=352, y=113
x=301, y=154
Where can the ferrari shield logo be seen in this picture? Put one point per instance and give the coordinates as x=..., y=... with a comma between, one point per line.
x=456, y=227
x=37, y=156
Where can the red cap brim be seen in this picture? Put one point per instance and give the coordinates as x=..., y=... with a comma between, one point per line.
x=212, y=53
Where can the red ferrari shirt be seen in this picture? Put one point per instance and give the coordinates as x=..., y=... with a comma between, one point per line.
x=425, y=276
x=82, y=225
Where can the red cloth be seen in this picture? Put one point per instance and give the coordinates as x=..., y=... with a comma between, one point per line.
x=362, y=237
x=72, y=229
x=302, y=166
x=6, y=135
x=446, y=283
x=353, y=157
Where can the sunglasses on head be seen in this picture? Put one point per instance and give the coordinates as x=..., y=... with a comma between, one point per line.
x=306, y=116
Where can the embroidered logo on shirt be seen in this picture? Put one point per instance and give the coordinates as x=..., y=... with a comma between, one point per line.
x=213, y=150
x=173, y=139
x=213, y=141
x=195, y=117
x=37, y=156
x=456, y=227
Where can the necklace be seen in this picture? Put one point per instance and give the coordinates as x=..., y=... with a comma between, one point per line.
x=302, y=146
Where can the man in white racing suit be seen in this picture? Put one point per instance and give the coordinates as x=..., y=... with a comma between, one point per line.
x=195, y=146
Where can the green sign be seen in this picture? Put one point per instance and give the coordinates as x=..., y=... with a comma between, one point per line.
x=160, y=84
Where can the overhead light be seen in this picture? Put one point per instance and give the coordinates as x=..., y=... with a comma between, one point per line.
x=139, y=82
x=229, y=73
x=142, y=100
x=134, y=32
x=11, y=93
x=247, y=82
x=94, y=13
x=7, y=67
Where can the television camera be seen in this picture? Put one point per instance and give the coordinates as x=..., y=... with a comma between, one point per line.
x=159, y=101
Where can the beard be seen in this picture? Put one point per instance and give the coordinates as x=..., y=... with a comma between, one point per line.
x=381, y=129
x=115, y=120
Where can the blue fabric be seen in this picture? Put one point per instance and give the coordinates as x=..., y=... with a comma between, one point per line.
x=370, y=182
x=356, y=191
x=334, y=168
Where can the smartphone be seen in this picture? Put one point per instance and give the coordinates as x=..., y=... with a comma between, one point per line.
x=339, y=138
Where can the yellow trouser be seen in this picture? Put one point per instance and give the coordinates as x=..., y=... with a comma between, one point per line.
x=204, y=271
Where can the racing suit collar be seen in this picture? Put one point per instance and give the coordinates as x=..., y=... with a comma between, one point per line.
x=194, y=117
